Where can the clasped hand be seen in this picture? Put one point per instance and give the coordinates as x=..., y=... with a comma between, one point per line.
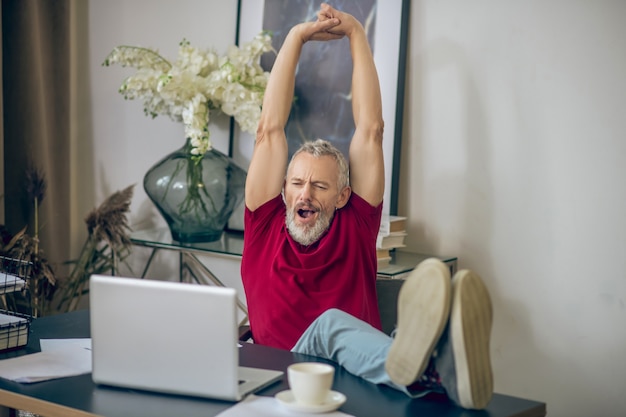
x=331, y=24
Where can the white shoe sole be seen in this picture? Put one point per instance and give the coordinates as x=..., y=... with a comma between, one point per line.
x=423, y=311
x=471, y=318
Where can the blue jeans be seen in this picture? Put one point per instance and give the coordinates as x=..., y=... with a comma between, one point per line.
x=355, y=345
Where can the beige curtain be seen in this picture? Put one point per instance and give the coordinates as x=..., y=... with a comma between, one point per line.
x=46, y=119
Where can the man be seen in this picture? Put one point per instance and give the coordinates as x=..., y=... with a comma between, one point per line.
x=314, y=248
x=309, y=264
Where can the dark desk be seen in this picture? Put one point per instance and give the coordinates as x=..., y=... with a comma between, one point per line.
x=78, y=396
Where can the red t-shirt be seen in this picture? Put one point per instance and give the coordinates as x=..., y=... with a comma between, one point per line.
x=289, y=285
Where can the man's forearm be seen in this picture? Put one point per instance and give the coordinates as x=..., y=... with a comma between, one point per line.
x=280, y=88
x=366, y=98
x=367, y=175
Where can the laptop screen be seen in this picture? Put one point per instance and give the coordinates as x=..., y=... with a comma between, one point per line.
x=170, y=337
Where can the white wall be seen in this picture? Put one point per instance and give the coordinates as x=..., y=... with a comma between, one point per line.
x=126, y=142
x=513, y=160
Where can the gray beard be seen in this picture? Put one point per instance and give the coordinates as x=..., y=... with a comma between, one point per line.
x=307, y=235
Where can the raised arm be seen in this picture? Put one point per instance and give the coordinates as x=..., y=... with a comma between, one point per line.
x=367, y=172
x=266, y=173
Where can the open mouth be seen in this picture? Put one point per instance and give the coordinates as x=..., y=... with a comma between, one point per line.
x=306, y=213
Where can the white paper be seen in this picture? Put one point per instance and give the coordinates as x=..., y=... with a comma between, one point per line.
x=48, y=345
x=258, y=406
x=9, y=319
x=59, y=358
x=9, y=283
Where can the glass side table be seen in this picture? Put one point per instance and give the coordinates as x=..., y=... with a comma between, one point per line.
x=402, y=263
x=229, y=245
x=390, y=276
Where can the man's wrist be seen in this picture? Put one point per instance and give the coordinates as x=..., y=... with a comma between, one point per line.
x=298, y=31
x=357, y=29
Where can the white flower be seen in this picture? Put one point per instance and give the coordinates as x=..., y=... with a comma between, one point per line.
x=196, y=83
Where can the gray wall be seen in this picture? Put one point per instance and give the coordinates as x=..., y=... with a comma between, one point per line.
x=515, y=161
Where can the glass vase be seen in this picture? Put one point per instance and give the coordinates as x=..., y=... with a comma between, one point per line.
x=195, y=197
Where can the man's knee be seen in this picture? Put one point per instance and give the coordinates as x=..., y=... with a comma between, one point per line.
x=332, y=314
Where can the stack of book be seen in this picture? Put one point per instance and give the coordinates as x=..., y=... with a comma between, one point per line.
x=391, y=235
x=13, y=331
x=10, y=283
x=16, y=312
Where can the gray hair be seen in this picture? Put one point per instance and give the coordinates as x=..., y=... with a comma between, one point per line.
x=321, y=147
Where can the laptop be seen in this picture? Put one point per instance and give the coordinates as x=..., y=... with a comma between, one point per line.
x=169, y=337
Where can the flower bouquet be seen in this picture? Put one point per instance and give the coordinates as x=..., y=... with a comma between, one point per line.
x=187, y=90
x=196, y=83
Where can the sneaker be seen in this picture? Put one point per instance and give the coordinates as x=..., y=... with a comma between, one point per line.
x=463, y=360
x=423, y=310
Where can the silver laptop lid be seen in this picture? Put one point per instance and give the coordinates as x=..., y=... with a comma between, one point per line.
x=164, y=336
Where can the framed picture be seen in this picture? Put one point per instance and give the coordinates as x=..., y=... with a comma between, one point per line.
x=322, y=107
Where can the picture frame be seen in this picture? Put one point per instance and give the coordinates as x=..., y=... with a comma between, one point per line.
x=327, y=113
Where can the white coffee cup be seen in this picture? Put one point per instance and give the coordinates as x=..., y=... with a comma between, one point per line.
x=310, y=382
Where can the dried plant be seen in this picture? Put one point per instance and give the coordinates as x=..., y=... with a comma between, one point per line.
x=107, y=244
x=23, y=247
x=36, y=191
x=35, y=184
x=109, y=222
x=42, y=281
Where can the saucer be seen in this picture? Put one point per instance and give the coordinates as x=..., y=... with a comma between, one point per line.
x=333, y=401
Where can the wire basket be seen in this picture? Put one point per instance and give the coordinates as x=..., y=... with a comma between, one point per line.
x=16, y=309
x=13, y=274
x=14, y=330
